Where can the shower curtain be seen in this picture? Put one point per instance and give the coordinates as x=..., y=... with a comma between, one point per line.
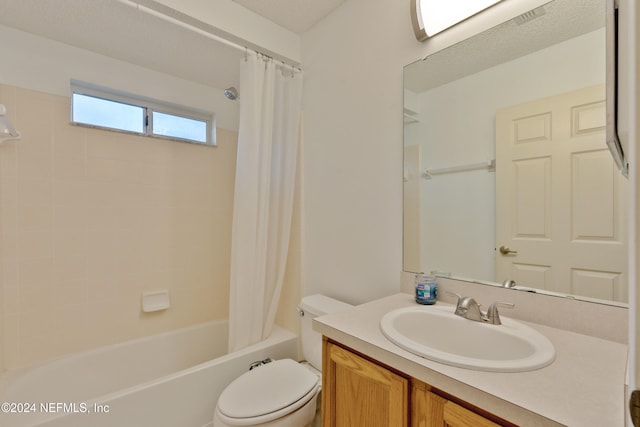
x=268, y=141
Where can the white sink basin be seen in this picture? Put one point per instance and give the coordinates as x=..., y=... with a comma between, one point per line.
x=435, y=333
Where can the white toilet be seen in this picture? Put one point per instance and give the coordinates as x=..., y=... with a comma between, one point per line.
x=282, y=393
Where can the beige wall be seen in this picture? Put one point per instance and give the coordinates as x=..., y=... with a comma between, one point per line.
x=353, y=61
x=90, y=219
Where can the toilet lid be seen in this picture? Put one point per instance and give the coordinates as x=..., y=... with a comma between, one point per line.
x=266, y=389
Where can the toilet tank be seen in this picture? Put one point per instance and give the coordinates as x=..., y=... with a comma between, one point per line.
x=312, y=306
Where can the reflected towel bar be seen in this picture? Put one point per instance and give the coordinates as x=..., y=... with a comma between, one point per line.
x=489, y=165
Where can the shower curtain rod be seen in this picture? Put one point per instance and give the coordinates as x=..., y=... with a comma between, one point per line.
x=152, y=12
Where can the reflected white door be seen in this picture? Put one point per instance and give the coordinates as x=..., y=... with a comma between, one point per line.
x=560, y=200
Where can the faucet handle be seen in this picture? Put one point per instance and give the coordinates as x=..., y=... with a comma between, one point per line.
x=493, y=316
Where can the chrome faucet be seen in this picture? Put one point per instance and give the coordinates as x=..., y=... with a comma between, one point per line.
x=468, y=308
x=509, y=283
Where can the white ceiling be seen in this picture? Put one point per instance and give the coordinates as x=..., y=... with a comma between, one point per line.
x=295, y=15
x=118, y=30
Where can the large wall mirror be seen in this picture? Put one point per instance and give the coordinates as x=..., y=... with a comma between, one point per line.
x=507, y=174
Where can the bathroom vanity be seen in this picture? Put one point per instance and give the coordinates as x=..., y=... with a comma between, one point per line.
x=368, y=380
x=392, y=397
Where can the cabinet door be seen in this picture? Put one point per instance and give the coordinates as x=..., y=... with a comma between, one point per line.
x=431, y=410
x=359, y=393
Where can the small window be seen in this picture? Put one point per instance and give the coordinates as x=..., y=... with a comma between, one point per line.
x=170, y=125
x=106, y=113
x=109, y=109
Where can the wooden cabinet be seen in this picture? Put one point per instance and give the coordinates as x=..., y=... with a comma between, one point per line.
x=431, y=410
x=358, y=392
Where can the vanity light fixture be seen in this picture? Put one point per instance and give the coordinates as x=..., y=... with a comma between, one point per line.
x=430, y=17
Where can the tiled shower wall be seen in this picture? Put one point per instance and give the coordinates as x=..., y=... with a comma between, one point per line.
x=91, y=219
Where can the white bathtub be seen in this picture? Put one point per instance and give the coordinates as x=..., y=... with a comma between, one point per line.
x=171, y=379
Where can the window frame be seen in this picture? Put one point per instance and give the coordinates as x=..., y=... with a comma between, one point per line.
x=149, y=106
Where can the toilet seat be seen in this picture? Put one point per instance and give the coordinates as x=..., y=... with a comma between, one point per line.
x=268, y=392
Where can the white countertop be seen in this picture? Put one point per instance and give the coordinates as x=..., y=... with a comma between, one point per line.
x=583, y=387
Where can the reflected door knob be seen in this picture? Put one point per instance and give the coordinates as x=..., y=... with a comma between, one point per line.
x=504, y=250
